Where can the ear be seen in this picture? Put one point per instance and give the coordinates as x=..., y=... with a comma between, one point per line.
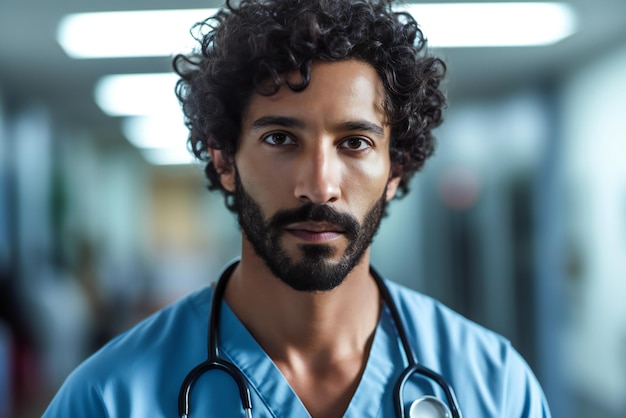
x=392, y=184
x=225, y=169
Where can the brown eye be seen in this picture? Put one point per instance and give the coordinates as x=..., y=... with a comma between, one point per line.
x=278, y=138
x=355, y=144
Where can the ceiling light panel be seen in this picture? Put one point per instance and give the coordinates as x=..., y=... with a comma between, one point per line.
x=494, y=24
x=138, y=94
x=151, y=132
x=129, y=34
x=166, y=32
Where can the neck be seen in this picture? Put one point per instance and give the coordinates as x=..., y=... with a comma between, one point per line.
x=317, y=326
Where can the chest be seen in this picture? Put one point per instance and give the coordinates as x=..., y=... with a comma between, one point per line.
x=326, y=391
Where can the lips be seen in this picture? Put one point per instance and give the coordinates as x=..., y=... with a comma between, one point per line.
x=314, y=223
x=314, y=231
x=315, y=227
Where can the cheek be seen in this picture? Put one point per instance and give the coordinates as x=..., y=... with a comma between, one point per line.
x=366, y=185
x=264, y=181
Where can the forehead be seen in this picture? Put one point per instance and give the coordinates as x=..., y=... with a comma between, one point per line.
x=338, y=91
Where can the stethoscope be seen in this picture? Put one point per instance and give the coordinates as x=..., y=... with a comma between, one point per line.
x=424, y=407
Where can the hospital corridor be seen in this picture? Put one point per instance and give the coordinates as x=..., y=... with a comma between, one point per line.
x=517, y=222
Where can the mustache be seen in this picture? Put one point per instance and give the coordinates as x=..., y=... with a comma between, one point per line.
x=316, y=213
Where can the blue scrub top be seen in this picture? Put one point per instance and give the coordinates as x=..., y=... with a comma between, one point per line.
x=139, y=373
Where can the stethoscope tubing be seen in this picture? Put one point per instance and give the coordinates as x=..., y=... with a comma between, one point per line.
x=414, y=366
x=214, y=362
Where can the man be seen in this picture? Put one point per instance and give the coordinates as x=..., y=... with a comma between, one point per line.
x=311, y=115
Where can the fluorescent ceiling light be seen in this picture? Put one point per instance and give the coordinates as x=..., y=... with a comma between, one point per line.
x=165, y=32
x=163, y=156
x=155, y=132
x=494, y=24
x=138, y=94
x=129, y=34
x=161, y=140
x=154, y=121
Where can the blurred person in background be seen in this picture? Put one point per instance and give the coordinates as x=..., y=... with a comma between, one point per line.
x=20, y=376
x=311, y=116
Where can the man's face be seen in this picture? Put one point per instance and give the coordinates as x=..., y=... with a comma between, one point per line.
x=312, y=174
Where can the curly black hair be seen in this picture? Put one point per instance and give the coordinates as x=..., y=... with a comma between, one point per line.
x=246, y=45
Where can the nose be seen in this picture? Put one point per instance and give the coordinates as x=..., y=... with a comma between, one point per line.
x=318, y=175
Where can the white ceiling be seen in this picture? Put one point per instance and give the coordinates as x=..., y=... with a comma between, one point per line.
x=34, y=68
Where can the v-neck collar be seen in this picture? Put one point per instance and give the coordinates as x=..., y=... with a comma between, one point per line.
x=264, y=377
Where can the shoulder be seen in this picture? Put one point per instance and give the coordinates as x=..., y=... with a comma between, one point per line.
x=135, y=362
x=491, y=376
x=424, y=316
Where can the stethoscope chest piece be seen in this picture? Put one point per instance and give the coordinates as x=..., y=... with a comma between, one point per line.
x=429, y=407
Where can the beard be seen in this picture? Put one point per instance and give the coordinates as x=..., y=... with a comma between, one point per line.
x=315, y=271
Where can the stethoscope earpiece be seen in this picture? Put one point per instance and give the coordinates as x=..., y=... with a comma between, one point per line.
x=429, y=407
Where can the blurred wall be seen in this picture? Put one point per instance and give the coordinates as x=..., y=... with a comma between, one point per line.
x=4, y=172
x=593, y=103
x=6, y=333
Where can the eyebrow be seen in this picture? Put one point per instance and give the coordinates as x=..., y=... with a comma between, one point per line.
x=362, y=125
x=289, y=122
x=284, y=121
